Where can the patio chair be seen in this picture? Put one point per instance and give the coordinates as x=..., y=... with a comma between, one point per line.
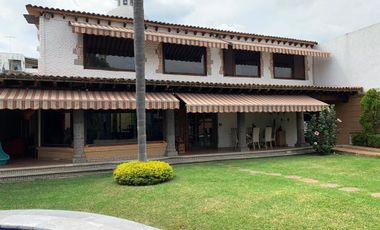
x=256, y=138
x=268, y=137
x=4, y=158
x=235, y=138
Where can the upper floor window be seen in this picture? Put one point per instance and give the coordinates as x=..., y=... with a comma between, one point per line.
x=15, y=65
x=183, y=59
x=241, y=63
x=107, y=53
x=289, y=66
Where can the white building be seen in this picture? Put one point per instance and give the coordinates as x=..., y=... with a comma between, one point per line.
x=207, y=89
x=13, y=62
x=354, y=61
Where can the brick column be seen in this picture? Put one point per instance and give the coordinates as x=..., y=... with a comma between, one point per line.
x=170, y=134
x=300, y=130
x=78, y=131
x=242, y=135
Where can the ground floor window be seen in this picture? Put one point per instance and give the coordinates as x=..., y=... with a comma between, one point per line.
x=57, y=128
x=117, y=127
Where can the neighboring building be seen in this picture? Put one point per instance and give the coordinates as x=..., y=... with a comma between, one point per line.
x=206, y=89
x=13, y=62
x=354, y=61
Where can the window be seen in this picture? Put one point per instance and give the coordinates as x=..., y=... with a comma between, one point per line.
x=183, y=59
x=289, y=66
x=125, y=2
x=120, y=127
x=15, y=65
x=56, y=128
x=101, y=52
x=241, y=63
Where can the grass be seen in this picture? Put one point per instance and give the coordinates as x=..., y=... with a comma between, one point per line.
x=218, y=196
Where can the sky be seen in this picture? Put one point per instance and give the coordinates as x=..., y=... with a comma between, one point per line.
x=317, y=20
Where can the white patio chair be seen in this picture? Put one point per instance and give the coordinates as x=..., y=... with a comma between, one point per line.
x=268, y=137
x=256, y=138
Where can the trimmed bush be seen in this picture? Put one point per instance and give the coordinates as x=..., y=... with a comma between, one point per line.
x=143, y=173
x=374, y=140
x=359, y=139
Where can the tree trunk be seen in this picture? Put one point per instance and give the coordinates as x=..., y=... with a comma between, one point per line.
x=139, y=43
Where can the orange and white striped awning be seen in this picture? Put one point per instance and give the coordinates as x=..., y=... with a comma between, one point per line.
x=225, y=103
x=122, y=32
x=278, y=49
x=69, y=99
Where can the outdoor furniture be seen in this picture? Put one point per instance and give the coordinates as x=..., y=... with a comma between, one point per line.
x=256, y=138
x=268, y=137
x=281, y=138
x=4, y=158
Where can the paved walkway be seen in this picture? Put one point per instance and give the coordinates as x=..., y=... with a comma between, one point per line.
x=358, y=150
x=63, y=220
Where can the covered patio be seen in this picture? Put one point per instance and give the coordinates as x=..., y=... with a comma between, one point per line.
x=75, y=119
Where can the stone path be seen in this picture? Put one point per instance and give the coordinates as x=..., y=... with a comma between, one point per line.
x=376, y=195
x=349, y=189
x=305, y=180
x=62, y=220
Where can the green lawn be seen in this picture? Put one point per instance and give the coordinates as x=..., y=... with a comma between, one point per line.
x=218, y=196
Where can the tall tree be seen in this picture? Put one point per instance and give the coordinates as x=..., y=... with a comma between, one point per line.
x=139, y=43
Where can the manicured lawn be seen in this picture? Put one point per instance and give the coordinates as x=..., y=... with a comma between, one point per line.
x=221, y=196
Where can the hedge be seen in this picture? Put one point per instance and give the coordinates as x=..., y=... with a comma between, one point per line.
x=374, y=140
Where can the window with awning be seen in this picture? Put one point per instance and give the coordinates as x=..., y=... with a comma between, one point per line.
x=227, y=103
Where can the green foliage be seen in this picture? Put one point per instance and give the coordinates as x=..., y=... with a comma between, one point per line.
x=374, y=140
x=322, y=130
x=359, y=139
x=143, y=173
x=370, y=118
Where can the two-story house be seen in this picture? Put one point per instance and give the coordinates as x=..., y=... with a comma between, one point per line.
x=208, y=90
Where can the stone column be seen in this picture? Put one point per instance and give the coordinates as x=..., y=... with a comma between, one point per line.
x=300, y=130
x=78, y=131
x=242, y=135
x=170, y=134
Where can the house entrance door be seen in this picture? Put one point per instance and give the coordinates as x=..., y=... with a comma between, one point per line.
x=202, y=130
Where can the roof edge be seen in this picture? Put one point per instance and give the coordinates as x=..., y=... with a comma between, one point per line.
x=35, y=10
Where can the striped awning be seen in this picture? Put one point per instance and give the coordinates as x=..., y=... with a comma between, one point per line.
x=69, y=99
x=278, y=49
x=225, y=103
x=122, y=32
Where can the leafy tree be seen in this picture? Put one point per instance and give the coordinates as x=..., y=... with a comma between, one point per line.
x=322, y=130
x=370, y=118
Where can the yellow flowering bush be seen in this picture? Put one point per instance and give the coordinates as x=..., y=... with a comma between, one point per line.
x=143, y=173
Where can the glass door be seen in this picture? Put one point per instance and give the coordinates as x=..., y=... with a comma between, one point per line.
x=202, y=131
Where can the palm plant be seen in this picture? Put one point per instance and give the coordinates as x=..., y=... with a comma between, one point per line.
x=139, y=44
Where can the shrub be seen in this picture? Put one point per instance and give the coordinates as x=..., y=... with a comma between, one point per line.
x=143, y=173
x=359, y=139
x=370, y=118
x=322, y=130
x=374, y=140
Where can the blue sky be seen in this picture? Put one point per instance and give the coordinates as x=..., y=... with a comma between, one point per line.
x=319, y=20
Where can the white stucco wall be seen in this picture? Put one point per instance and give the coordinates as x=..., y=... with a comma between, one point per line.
x=355, y=60
x=57, y=58
x=227, y=121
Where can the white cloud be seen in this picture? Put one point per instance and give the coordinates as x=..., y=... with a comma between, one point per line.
x=319, y=20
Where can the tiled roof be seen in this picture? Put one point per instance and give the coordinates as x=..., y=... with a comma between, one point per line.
x=38, y=10
x=151, y=82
